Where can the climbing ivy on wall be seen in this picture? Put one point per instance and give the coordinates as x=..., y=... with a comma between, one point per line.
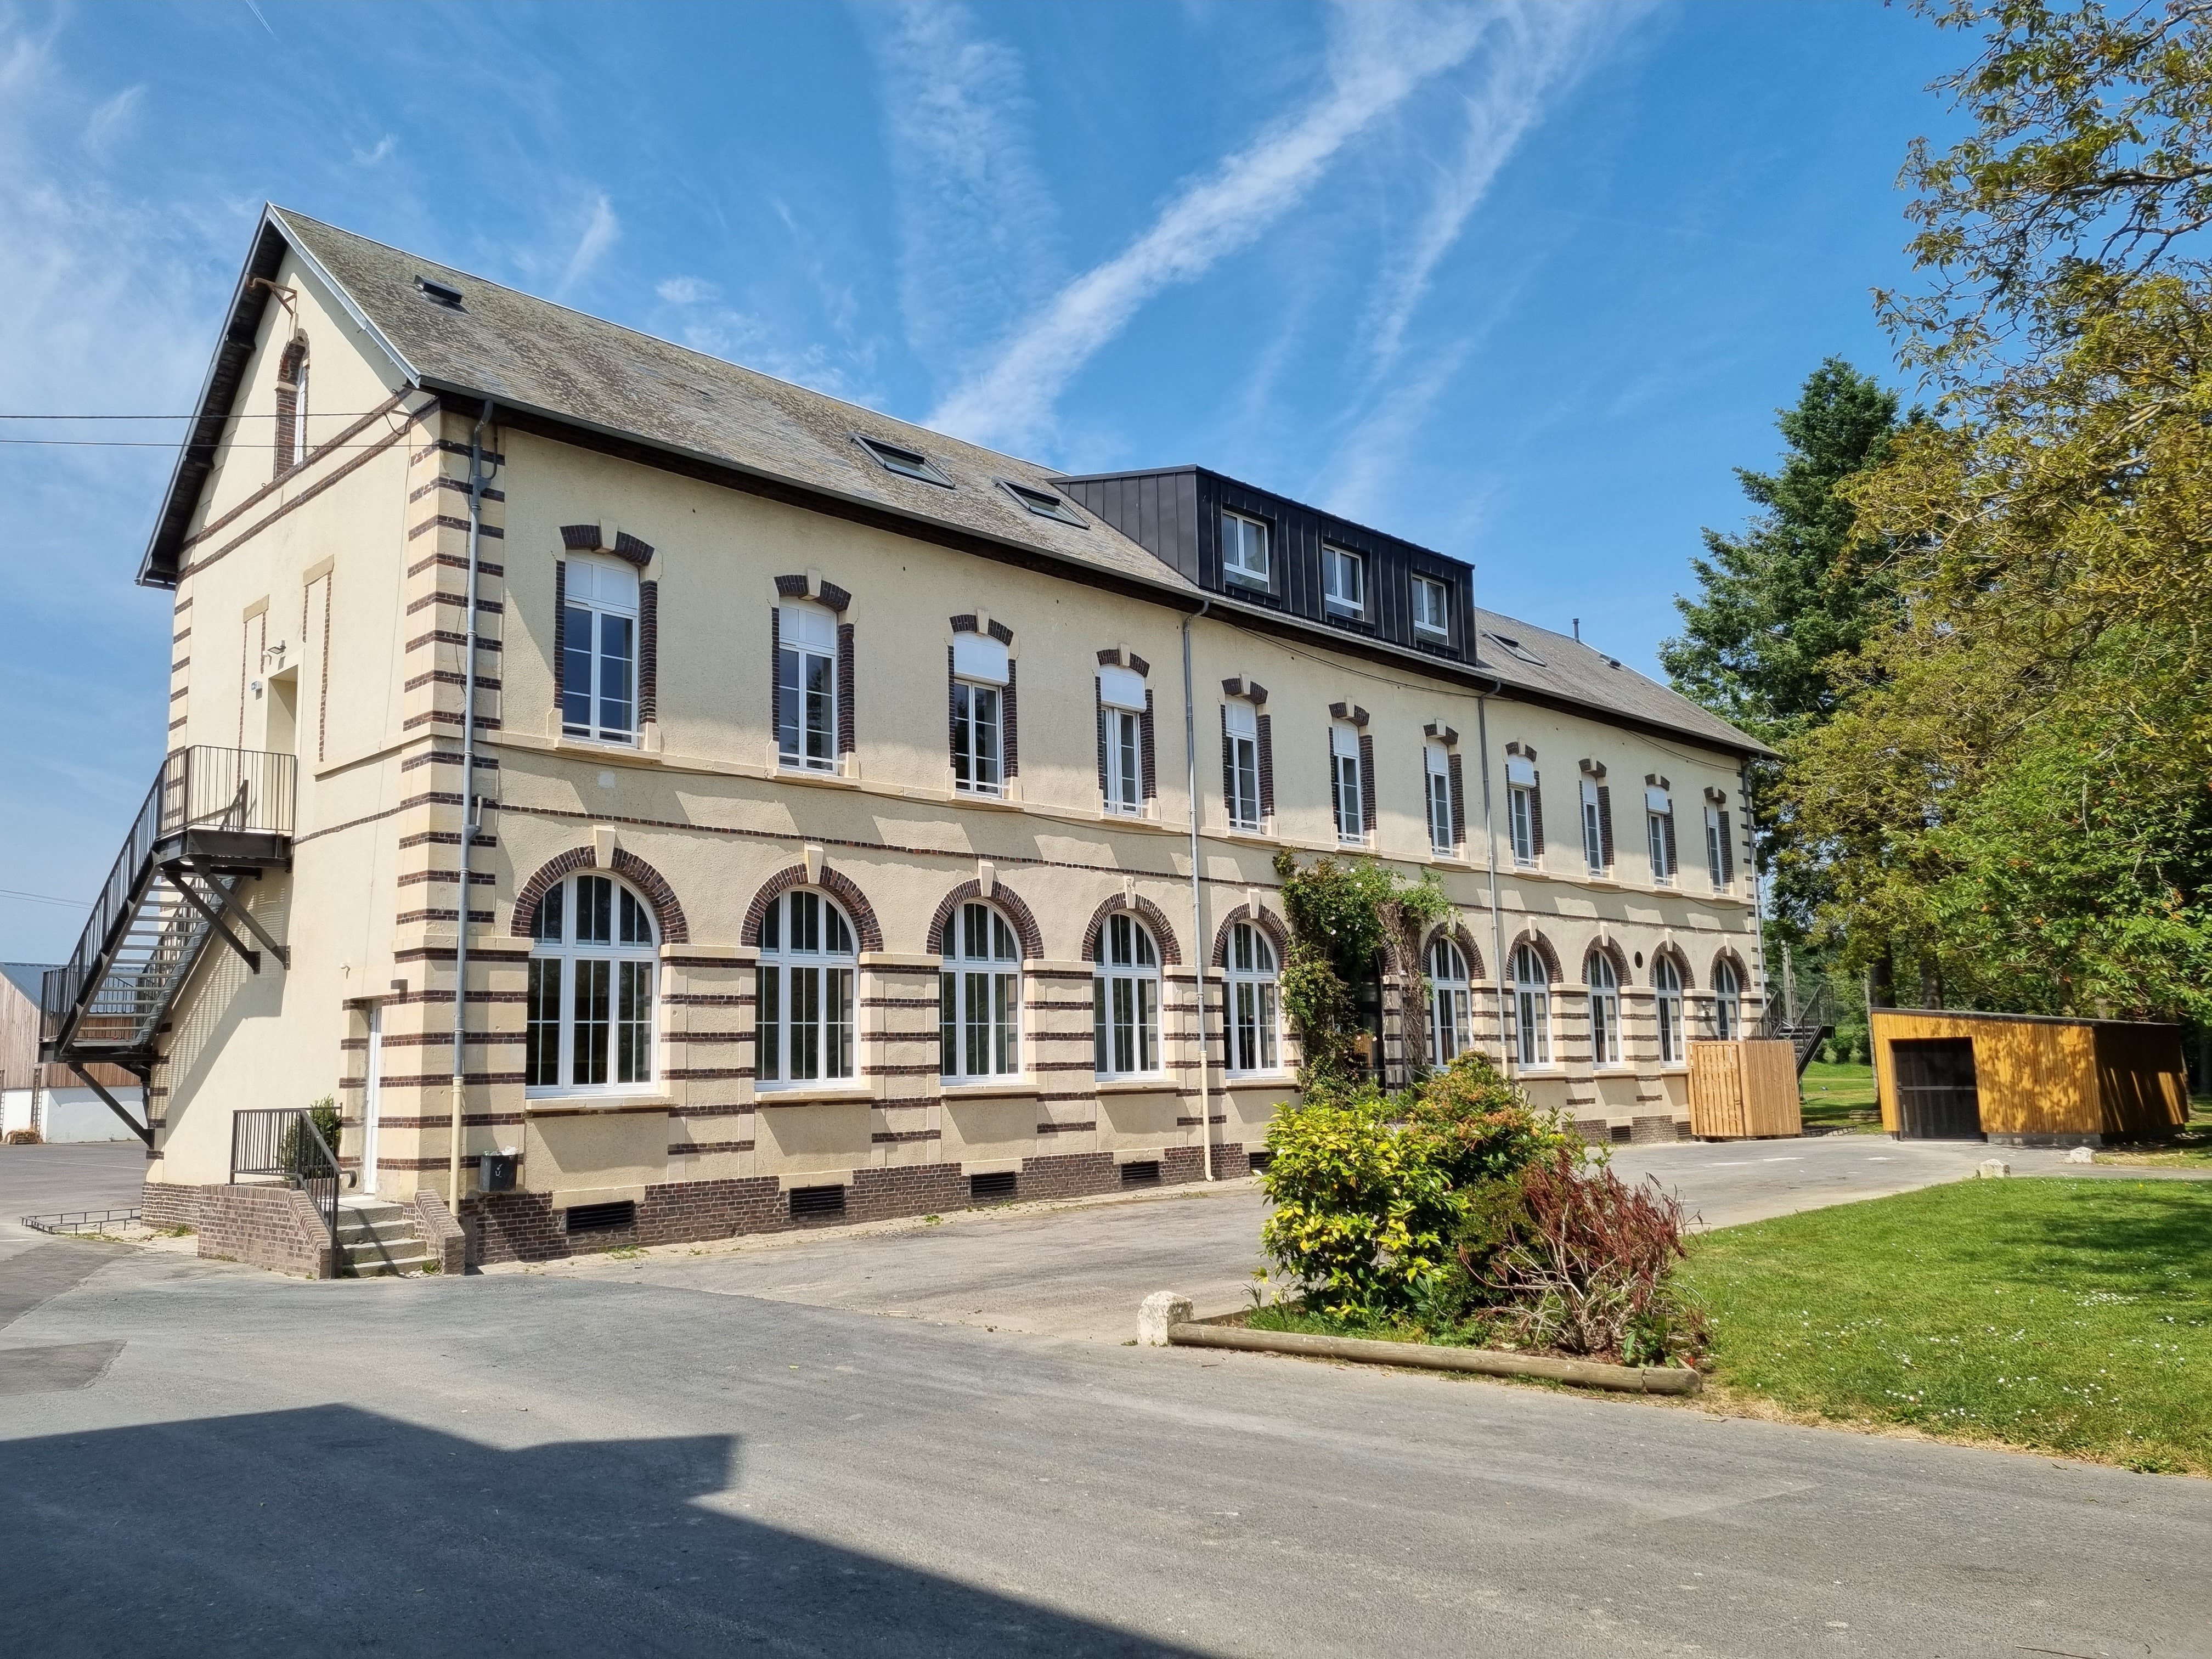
x=1343, y=912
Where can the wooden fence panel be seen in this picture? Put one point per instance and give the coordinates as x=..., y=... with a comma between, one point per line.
x=1772, y=1106
x=1715, y=1092
x=1744, y=1089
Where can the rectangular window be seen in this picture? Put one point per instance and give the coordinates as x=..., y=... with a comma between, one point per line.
x=1593, y=830
x=599, y=651
x=1244, y=550
x=1713, y=848
x=1255, y=1026
x=1431, y=607
x=806, y=689
x=588, y=1056
x=1441, y=838
x=1655, y=828
x=1241, y=721
x=1343, y=762
x=975, y=752
x=542, y=1067
x=1126, y=1019
x=1124, y=762
x=1344, y=581
x=1521, y=822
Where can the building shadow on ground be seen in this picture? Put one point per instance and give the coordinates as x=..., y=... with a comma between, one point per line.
x=331, y=1530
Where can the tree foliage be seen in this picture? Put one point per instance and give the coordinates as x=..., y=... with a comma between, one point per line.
x=1342, y=913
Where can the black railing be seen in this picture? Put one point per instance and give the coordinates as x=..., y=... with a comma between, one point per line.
x=236, y=791
x=283, y=1142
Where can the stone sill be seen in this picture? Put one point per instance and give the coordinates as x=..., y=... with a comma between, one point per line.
x=589, y=1105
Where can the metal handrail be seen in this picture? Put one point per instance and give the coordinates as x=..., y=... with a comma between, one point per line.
x=284, y=1141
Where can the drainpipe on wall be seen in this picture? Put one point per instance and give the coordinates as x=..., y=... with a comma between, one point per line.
x=1198, y=953
x=477, y=480
x=1497, y=919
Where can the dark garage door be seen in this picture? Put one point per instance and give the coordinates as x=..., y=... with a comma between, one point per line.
x=1936, y=1099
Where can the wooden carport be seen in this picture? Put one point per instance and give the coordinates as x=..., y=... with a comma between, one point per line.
x=2026, y=1079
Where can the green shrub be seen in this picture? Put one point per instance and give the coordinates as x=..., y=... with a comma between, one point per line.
x=295, y=1153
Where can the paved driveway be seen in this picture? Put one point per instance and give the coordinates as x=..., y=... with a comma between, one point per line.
x=70, y=1175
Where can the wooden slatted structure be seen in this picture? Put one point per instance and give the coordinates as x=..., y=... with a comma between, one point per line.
x=1744, y=1091
x=2026, y=1078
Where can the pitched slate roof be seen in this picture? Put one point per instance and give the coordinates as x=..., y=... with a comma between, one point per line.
x=595, y=379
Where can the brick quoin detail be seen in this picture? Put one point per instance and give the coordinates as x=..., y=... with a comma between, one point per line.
x=1155, y=918
x=1026, y=926
x=838, y=885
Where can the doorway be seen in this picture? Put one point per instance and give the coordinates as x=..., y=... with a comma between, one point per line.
x=1938, y=1095
x=282, y=733
x=371, y=1097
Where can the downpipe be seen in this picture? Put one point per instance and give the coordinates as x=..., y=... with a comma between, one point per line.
x=1198, y=952
x=478, y=480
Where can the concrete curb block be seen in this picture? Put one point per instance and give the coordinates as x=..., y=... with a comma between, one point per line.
x=1487, y=1362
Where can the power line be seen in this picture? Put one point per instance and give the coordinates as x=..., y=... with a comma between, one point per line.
x=41, y=898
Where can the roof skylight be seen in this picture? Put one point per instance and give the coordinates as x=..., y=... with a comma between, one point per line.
x=444, y=294
x=1043, y=503
x=1515, y=648
x=908, y=463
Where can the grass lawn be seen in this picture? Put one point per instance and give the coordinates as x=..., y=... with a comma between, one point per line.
x=2190, y=1148
x=2068, y=1316
x=1840, y=1098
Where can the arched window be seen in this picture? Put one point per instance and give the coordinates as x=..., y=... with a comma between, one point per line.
x=1604, y=1009
x=590, y=1015
x=1125, y=998
x=1252, y=992
x=979, y=997
x=1666, y=989
x=1448, y=981
x=1728, y=1002
x=804, y=1009
x=1532, y=1006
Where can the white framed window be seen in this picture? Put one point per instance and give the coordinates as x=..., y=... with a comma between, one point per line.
x=979, y=998
x=1593, y=828
x=1659, y=832
x=599, y=650
x=1126, y=998
x=1437, y=766
x=979, y=667
x=1240, y=722
x=1524, y=821
x=1343, y=580
x=1667, y=996
x=1727, y=1003
x=1449, y=999
x=1253, y=1025
x=1121, y=738
x=299, y=432
x=589, y=1023
x=1347, y=786
x=1244, y=551
x=1604, y=1009
x=1716, y=861
x=1432, y=608
x=1532, y=1007
x=806, y=687
x=803, y=1010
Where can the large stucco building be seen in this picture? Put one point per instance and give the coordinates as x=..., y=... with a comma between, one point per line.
x=833, y=829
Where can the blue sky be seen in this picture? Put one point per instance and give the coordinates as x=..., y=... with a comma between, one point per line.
x=1520, y=284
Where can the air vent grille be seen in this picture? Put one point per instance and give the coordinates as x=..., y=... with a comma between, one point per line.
x=1259, y=1162
x=817, y=1203
x=1141, y=1174
x=599, y=1217
x=994, y=1188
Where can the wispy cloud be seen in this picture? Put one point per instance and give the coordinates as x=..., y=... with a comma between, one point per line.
x=600, y=230
x=1532, y=52
x=369, y=158
x=112, y=119
x=979, y=237
x=1379, y=57
x=687, y=290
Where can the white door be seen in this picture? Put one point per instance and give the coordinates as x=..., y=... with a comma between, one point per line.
x=371, y=1090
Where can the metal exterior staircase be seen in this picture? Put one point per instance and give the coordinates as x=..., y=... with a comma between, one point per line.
x=214, y=818
x=1803, y=1021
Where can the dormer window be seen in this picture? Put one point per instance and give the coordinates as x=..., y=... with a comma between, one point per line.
x=1432, y=608
x=906, y=463
x=1043, y=503
x=1344, y=581
x=1244, y=551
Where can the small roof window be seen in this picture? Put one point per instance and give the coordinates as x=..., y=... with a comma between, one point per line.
x=908, y=463
x=443, y=293
x=1043, y=503
x=1515, y=648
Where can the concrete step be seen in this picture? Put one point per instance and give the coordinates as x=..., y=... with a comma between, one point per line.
x=361, y=1231
x=377, y=1238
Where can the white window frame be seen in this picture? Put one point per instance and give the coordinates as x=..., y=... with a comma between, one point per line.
x=1593, y=830
x=1434, y=597
x=600, y=601
x=1713, y=846
x=1125, y=999
x=1246, y=532
x=978, y=738
x=1658, y=807
x=1532, y=1009
x=979, y=998
x=1240, y=719
x=1347, y=785
x=1728, y=1002
x=806, y=688
x=1437, y=765
x=806, y=994
x=1521, y=822
x=1450, y=993
x=1122, y=695
x=1342, y=569
x=1667, y=1004
x=299, y=409
x=591, y=1007
x=1254, y=1003
x=1604, y=982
